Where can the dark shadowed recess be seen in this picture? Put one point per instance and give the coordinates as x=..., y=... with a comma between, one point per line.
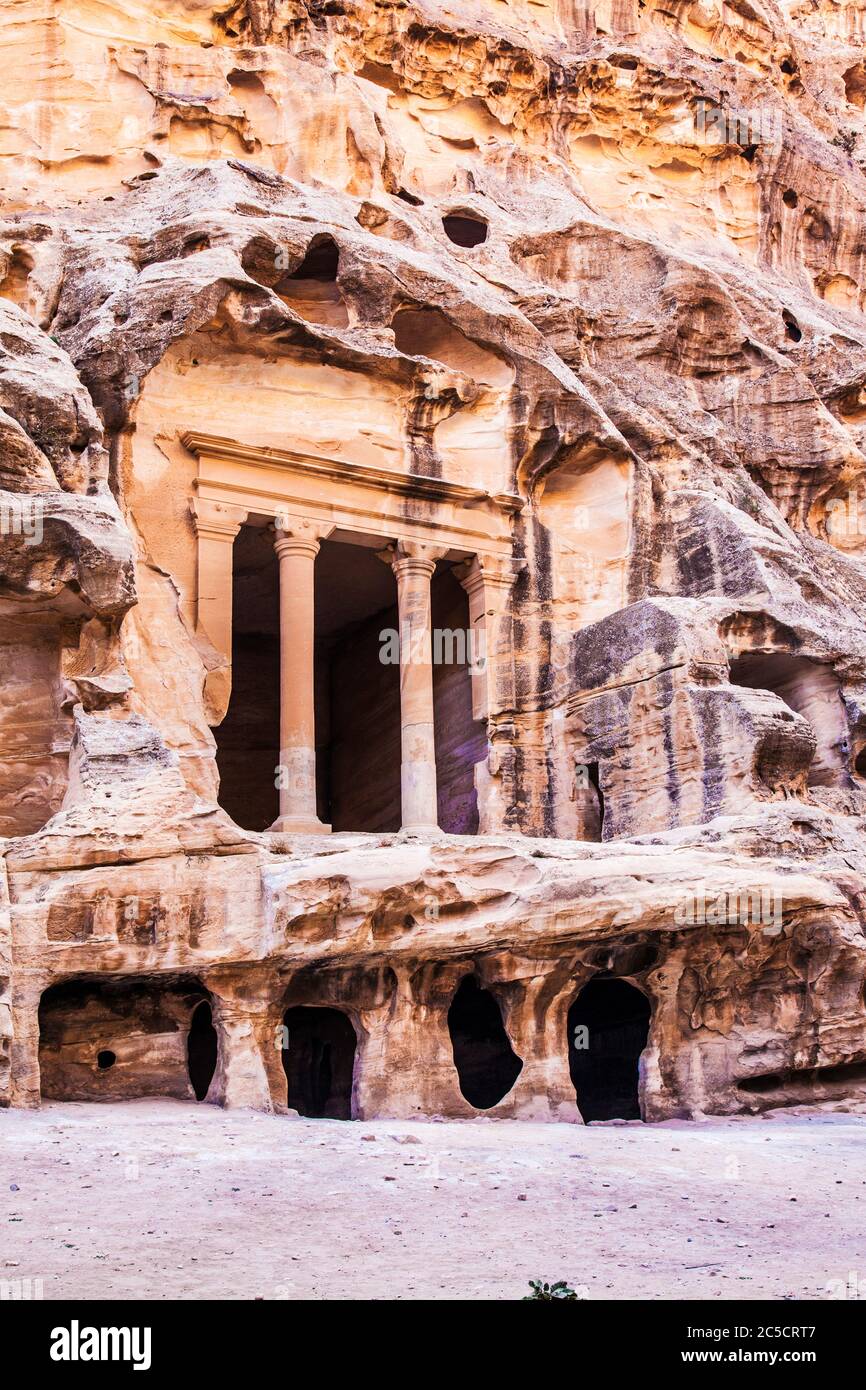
x=319, y=1062
x=604, y=1072
x=486, y=1063
x=201, y=1050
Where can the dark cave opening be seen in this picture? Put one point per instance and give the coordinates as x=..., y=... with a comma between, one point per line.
x=201, y=1050
x=608, y=1026
x=321, y=262
x=792, y=328
x=319, y=1062
x=464, y=229
x=486, y=1064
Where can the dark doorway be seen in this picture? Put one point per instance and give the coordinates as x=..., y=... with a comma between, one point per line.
x=248, y=739
x=319, y=1062
x=201, y=1050
x=357, y=691
x=613, y=1018
x=486, y=1063
x=593, y=804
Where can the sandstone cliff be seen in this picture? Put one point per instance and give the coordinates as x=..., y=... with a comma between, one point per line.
x=592, y=274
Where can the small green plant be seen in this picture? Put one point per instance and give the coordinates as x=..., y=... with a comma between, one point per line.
x=540, y=1289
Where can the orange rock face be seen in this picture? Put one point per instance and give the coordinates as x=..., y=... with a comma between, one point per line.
x=432, y=542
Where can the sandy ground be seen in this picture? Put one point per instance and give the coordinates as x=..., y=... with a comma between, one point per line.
x=159, y=1199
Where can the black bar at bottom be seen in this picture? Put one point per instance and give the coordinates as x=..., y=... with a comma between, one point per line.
x=63, y=1339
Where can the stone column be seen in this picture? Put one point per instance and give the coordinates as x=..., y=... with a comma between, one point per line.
x=22, y=1031
x=413, y=563
x=488, y=580
x=216, y=525
x=245, y=1031
x=297, y=545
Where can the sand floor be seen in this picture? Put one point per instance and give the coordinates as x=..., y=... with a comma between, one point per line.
x=160, y=1199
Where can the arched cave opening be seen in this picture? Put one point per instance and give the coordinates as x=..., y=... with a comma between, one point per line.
x=608, y=1026
x=486, y=1063
x=464, y=228
x=357, y=692
x=319, y=1062
x=201, y=1049
x=811, y=689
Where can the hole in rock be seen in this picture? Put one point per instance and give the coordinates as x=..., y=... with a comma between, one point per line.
x=105, y=1059
x=487, y=1066
x=14, y=284
x=608, y=1026
x=792, y=328
x=312, y=290
x=860, y=763
x=789, y=198
x=464, y=229
x=357, y=692
x=319, y=1062
x=855, y=85
x=201, y=1050
x=321, y=262
x=810, y=689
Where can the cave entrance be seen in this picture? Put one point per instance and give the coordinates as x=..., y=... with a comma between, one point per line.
x=486, y=1063
x=608, y=1026
x=201, y=1050
x=810, y=689
x=357, y=691
x=119, y=1039
x=319, y=1062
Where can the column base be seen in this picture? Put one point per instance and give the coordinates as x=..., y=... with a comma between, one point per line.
x=299, y=825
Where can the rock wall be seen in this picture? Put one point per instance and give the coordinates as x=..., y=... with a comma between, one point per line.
x=602, y=262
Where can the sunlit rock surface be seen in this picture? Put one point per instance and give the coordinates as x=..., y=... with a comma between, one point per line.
x=601, y=268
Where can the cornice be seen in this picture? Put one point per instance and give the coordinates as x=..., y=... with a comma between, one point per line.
x=408, y=484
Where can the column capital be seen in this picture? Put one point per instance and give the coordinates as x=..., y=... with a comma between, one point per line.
x=412, y=557
x=489, y=574
x=298, y=535
x=217, y=521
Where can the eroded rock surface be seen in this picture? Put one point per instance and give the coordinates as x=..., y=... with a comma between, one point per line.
x=582, y=284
